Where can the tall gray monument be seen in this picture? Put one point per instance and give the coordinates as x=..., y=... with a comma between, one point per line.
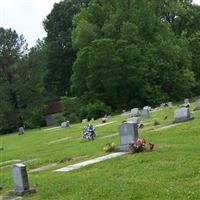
x=182, y=115
x=20, y=179
x=128, y=133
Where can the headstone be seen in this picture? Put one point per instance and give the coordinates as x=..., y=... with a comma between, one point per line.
x=84, y=121
x=162, y=105
x=49, y=120
x=182, y=115
x=146, y=108
x=21, y=130
x=65, y=124
x=20, y=179
x=145, y=113
x=197, y=105
x=128, y=133
x=170, y=104
x=135, y=112
x=186, y=101
x=132, y=120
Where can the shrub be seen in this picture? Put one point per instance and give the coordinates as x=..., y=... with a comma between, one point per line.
x=110, y=147
x=95, y=110
x=156, y=123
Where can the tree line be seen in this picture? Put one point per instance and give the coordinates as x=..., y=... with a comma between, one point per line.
x=116, y=54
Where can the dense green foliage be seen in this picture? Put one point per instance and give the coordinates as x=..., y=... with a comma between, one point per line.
x=60, y=54
x=21, y=82
x=135, y=52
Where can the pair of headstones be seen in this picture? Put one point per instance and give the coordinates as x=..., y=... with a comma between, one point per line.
x=20, y=179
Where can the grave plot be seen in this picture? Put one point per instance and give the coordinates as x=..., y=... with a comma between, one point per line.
x=89, y=162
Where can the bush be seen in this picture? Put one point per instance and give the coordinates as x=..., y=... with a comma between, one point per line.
x=156, y=123
x=95, y=110
x=110, y=147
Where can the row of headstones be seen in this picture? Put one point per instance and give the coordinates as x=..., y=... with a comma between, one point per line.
x=144, y=113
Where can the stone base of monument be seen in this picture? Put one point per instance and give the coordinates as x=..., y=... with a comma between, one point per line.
x=22, y=193
x=122, y=148
x=179, y=120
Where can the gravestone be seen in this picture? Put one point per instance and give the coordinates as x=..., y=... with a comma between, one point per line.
x=162, y=105
x=197, y=105
x=49, y=120
x=146, y=108
x=186, y=101
x=135, y=112
x=182, y=115
x=133, y=120
x=145, y=113
x=65, y=124
x=128, y=133
x=84, y=121
x=170, y=104
x=20, y=179
x=21, y=130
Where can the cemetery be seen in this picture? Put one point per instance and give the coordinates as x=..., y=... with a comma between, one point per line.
x=99, y=100
x=58, y=163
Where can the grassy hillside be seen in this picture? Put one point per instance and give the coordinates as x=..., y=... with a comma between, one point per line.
x=171, y=171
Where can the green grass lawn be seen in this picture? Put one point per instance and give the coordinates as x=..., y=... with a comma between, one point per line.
x=171, y=171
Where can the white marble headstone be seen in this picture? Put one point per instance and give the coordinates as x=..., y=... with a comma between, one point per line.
x=134, y=112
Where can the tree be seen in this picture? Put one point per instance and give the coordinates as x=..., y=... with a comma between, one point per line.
x=130, y=54
x=60, y=54
x=12, y=48
x=21, y=82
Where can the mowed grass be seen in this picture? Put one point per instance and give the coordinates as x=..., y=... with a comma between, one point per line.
x=171, y=171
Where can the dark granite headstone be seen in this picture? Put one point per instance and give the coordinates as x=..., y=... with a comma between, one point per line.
x=49, y=120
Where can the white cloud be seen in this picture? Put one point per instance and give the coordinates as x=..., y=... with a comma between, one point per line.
x=196, y=1
x=26, y=17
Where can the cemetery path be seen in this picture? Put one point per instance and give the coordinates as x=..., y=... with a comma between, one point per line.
x=89, y=162
x=43, y=168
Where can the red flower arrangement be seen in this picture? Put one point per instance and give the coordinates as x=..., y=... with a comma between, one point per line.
x=139, y=146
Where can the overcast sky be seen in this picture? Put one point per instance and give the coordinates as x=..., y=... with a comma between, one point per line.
x=26, y=16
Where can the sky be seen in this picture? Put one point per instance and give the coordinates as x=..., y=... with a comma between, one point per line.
x=26, y=17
